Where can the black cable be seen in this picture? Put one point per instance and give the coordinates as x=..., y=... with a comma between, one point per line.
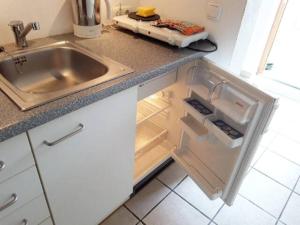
x=194, y=46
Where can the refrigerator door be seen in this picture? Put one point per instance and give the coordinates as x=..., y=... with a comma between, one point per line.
x=225, y=118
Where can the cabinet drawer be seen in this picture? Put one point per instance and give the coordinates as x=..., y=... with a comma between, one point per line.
x=156, y=84
x=25, y=186
x=34, y=213
x=47, y=222
x=15, y=156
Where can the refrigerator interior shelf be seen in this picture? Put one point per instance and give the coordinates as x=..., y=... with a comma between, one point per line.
x=209, y=182
x=150, y=107
x=147, y=134
x=193, y=128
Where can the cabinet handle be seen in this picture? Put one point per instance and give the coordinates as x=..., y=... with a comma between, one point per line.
x=24, y=222
x=50, y=144
x=2, y=165
x=14, y=198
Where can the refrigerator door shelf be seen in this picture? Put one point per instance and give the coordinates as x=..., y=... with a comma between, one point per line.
x=193, y=128
x=222, y=136
x=200, y=117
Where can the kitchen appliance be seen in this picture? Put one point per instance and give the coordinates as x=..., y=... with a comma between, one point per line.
x=87, y=17
x=172, y=37
x=208, y=120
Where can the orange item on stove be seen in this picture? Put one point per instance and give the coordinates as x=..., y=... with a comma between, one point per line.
x=185, y=28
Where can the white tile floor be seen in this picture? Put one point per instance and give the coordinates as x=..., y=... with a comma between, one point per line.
x=270, y=193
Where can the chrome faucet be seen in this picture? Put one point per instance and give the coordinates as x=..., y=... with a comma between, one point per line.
x=20, y=32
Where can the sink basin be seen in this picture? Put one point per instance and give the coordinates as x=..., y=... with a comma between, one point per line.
x=36, y=76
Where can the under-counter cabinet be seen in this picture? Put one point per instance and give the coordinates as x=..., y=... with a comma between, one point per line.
x=86, y=159
x=209, y=121
x=22, y=199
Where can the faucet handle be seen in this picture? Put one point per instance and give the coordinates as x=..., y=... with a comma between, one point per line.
x=35, y=25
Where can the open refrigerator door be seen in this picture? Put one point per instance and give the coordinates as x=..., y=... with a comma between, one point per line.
x=209, y=121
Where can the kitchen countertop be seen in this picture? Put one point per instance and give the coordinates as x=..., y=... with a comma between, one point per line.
x=147, y=57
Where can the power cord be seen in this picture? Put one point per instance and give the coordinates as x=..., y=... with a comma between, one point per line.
x=206, y=45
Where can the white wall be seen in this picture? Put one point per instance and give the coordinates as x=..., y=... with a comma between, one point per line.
x=224, y=32
x=54, y=17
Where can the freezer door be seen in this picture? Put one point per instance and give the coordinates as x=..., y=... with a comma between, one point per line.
x=225, y=118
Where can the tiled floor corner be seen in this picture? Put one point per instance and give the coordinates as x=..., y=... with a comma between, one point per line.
x=191, y=192
x=243, y=212
x=291, y=214
x=121, y=214
x=278, y=168
x=172, y=175
x=147, y=198
x=175, y=211
x=264, y=192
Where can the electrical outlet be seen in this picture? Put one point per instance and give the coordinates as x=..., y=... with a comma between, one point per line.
x=214, y=10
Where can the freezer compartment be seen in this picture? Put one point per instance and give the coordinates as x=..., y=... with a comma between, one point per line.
x=235, y=104
x=193, y=128
x=202, y=175
x=197, y=107
x=225, y=130
x=203, y=81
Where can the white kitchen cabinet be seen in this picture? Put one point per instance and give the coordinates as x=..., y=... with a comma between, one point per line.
x=33, y=213
x=15, y=156
x=18, y=191
x=210, y=123
x=86, y=159
x=47, y=222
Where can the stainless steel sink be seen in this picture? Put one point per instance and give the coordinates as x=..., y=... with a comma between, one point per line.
x=36, y=76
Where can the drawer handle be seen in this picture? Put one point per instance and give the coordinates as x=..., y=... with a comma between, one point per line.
x=13, y=200
x=24, y=222
x=2, y=165
x=50, y=144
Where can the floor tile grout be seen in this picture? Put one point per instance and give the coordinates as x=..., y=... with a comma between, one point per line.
x=278, y=219
x=273, y=179
x=173, y=191
x=125, y=206
x=155, y=206
x=257, y=206
x=213, y=219
x=256, y=161
x=273, y=151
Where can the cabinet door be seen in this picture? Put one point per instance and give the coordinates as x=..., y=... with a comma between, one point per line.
x=89, y=174
x=224, y=120
x=15, y=156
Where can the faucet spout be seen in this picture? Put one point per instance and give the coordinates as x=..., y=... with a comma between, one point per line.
x=20, y=32
x=28, y=28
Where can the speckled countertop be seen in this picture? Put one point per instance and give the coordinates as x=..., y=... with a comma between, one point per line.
x=148, y=58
